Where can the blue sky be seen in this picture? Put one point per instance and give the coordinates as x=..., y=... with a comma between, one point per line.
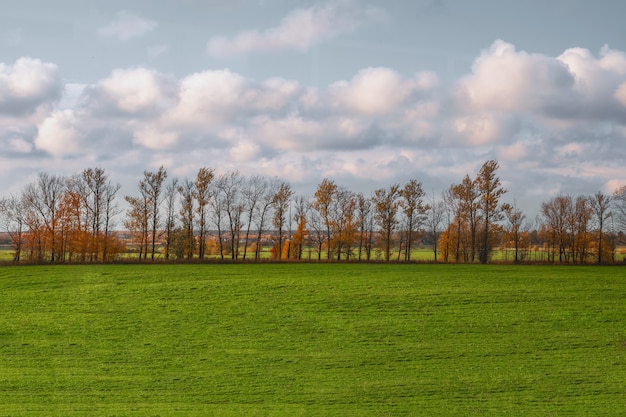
x=368, y=93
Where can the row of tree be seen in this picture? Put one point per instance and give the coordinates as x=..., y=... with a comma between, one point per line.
x=77, y=219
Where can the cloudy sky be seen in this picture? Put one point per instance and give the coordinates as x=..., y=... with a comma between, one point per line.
x=367, y=93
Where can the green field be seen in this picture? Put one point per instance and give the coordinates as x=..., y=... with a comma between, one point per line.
x=312, y=339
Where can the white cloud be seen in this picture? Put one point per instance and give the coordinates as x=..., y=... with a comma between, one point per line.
x=127, y=26
x=135, y=91
x=155, y=138
x=215, y=97
x=59, y=134
x=372, y=91
x=27, y=84
x=298, y=31
x=506, y=79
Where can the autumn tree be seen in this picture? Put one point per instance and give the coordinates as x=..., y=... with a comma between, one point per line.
x=324, y=196
x=489, y=192
x=44, y=197
x=386, y=210
x=463, y=200
x=342, y=222
x=280, y=204
x=301, y=206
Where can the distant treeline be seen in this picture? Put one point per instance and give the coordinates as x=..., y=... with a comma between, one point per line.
x=232, y=217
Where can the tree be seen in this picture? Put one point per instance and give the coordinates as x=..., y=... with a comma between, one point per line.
x=280, y=203
x=230, y=191
x=601, y=206
x=555, y=213
x=386, y=209
x=323, y=200
x=263, y=210
x=434, y=220
x=252, y=193
x=342, y=222
x=515, y=218
x=300, y=236
x=414, y=209
x=44, y=197
x=13, y=212
x=201, y=191
x=364, y=224
x=489, y=193
x=170, y=215
x=152, y=183
x=187, y=192
x=463, y=201
x=619, y=199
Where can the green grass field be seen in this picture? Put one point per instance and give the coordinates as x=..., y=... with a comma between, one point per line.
x=312, y=339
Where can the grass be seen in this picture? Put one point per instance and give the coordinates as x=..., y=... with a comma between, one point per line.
x=312, y=339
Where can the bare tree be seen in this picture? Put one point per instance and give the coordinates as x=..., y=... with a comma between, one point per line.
x=262, y=213
x=515, y=218
x=13, y=212
x=414, y=209
x=364, y=224
x=252, y=193
x=187, y=191
x=434, y=220
x=619, y=205
x=170, y=214
x=233, y=207
x=152, y=183
x=601, y=205
x=201, y=191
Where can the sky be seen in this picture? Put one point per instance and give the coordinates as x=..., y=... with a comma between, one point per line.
x=366, y=93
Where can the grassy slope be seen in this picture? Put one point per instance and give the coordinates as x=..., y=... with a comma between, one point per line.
x=309, y=339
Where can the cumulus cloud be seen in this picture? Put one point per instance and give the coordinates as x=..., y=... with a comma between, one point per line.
x=215, y=97
x=155, y=138
x=503, y=78
x=127, y=26
x=298, y=31
x=59, y=134
x=372, y=91
x=26, y=85
x=136, y=91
